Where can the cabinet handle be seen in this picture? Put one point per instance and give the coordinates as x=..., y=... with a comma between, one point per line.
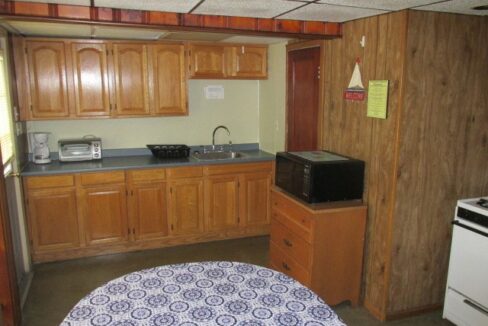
x=134, y=231
x=285, y=266
x=475, y=306
x=287, y=243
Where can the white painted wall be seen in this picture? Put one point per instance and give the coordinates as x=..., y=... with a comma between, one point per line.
x=239, y=111
x=272, y=101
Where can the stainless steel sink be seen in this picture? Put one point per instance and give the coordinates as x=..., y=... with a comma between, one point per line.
x=208, y=156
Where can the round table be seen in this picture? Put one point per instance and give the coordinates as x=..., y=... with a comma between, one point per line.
x=204, y=293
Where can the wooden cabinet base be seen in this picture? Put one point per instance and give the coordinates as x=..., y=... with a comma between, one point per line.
x=319, y=245
x=46, y=256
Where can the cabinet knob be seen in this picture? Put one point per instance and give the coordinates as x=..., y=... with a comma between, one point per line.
x=285, y=266
x=287, y=243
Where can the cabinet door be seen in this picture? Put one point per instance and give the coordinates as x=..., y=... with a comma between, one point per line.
x=131, y=79
x=53, y=219
x=168, y=82
x=221, y=202
x=148, y=210
x=47, y=77
x=104, y=214
x=254, y=198
x=90, y=75
x=186, y=206
x=207, y=61
x=249, y=62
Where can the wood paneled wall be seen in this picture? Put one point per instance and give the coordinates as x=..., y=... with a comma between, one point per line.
x=443, y=149
x=430, y=151
x=347, y=130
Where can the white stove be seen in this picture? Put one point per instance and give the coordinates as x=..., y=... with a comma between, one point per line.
x=466, y=301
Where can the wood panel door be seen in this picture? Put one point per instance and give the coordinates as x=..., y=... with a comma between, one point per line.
x=249, y=62
x=90, y=77
x=47, y=78
x=303, y=92
x=186, y=206
x=148, y=210
x=255, y=198
x=207, y=61
x=167, y=79
x=131, y=79
x=104, y=214
x=221, y=202
x=53, y=219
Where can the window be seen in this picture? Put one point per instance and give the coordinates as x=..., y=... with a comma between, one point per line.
x=5, y=118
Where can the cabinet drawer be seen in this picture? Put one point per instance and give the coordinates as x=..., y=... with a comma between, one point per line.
x=185, y=172
x=102, y=178
x=287, y=265
x=238, y=168
x=290, y=243
x=50, y=181
x=295, y=224
x=147, y=175
x=291, y=209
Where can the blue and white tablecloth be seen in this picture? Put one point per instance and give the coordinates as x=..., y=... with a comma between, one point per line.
x=205, y=293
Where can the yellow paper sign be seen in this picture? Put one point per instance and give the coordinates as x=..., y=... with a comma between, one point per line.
x=377, y=98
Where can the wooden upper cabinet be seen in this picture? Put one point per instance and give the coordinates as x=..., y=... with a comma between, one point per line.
x=167, y=87
x=224, y=61
x=249, y=61
x=46, y=62
x=90, y=78
x=131, y=79
x=207, y=61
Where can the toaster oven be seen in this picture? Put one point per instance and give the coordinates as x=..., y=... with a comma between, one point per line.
x=80, y=149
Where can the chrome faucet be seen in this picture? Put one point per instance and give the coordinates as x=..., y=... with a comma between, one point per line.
x=213, y=135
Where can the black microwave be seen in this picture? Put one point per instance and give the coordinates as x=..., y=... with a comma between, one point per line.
x=320, y=176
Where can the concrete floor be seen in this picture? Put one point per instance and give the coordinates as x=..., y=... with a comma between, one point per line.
x=57, y=287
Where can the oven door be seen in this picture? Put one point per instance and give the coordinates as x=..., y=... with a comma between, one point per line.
x=468, y=266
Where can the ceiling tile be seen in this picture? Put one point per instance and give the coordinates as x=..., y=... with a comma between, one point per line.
x=246, y=8
x=459, y=7
x=379, y=4
x=64, y=2
x=156, y=5
x=330, y=13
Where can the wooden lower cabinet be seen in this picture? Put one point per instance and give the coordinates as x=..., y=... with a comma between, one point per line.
x=104, y=214
x=319, y=245
x=254, y=198
x=186, y=206
x=53, y=219
x=148, y=210
x=147, y=204
x=222, y=202
x=89, y=214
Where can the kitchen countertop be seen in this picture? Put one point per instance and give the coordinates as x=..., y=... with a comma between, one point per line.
x=136, y=162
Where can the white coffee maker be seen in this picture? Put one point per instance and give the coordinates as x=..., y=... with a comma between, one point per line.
x=40, y=150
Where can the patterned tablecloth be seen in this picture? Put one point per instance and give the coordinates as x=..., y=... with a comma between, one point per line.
x=206, y=293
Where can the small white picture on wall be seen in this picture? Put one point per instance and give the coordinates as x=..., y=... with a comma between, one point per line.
x=214, y=92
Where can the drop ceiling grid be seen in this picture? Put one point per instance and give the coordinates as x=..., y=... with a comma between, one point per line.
x=330, y=13
x=247, y=8
x=181, y=6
